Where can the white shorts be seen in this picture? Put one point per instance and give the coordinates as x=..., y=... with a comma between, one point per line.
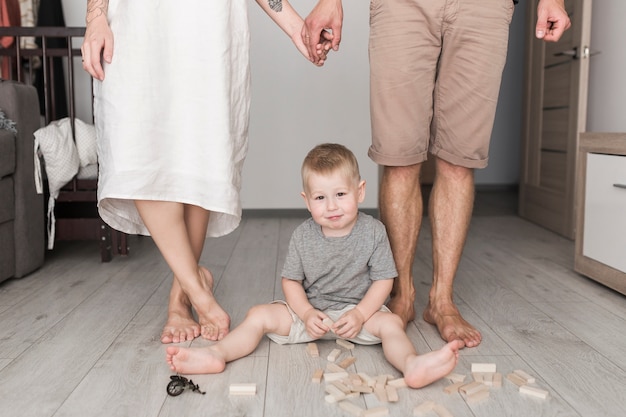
x=298, y=333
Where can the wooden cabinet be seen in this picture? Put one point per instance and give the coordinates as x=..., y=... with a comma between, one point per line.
x=601, y=218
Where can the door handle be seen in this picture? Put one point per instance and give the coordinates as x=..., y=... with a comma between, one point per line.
x=575, y=53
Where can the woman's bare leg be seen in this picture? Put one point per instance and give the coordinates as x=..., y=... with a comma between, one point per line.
x=243, y=340
x=181, y=325
x=418, y=370
x=166, y=222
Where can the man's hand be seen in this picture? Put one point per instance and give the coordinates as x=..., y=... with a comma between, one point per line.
x=327, y=14
x=552, y=20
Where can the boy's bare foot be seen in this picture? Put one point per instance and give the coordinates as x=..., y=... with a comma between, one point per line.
x=194, y=360
x=422, y=370
x=451, y=325
x=180, y=328
x=214, y=321
x=403, y=307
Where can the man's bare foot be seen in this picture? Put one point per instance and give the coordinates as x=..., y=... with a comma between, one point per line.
x=403, y=307
x=194, y=360
x=422, y=370
x=451, y=325
x=180, y=328
x=214, y=321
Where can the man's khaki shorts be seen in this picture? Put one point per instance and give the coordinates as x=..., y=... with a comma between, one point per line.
x=298, y=333
x=436, y=67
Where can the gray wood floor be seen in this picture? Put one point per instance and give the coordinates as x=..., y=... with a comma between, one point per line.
x=81, y=338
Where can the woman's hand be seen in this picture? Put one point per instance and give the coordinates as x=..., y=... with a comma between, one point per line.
x=98, y=42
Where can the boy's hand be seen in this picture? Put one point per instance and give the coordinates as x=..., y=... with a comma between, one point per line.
x=350, y=324
x=313, y=322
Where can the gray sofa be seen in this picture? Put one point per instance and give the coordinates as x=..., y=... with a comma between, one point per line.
x=22, y=233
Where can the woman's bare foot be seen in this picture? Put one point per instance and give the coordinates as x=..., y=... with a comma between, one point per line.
x=422, y=370
x=194, y=360
x=214, y=321
x=451, y=325
x=180, y=328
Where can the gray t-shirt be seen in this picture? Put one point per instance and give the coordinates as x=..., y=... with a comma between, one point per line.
x=337, y=271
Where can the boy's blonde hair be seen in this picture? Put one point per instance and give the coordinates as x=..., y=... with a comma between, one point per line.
x=328, y=158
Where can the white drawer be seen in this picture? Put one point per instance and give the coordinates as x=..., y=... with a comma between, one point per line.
x=605, y=210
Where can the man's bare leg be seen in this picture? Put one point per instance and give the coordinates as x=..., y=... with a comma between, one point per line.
x=181, y=325
x=450, y=212
x=166, y=223
x=401, y=211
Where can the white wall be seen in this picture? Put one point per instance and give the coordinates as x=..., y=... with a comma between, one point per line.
x=606, y=106
x=296, y=105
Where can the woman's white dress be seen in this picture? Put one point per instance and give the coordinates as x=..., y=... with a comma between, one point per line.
x=172, y=112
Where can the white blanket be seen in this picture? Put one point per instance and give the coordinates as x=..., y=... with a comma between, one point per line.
x=63, y=157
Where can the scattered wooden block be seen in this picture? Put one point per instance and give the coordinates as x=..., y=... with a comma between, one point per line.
x=473, y=387
x=333, y=355
x=423, y=408
x=333, y=367
x=317, y=376
x=370, y=381
x=335, y=392
x=345, y=344
x=347, y=362
x=381, y=380
x=392, y=394
x=528, y=378
x=442, y=411
x=478, y=376
x=456, y=377
x=488, y=379
x=376, y=412
x=477, y=396
x=242, y=389
x=484, y=367
x=334, y=376
x=397, y=383
x=381, y=394
x=363, y=389
x=534, y=391
x=497, y=380
x=331, y=399
x=351, y=408
x=312, y=350
x=342, y=387
x=516, y=379
x=451, y=389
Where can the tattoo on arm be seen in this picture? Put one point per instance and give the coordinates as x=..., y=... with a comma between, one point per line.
x=96, y=8
x=276, y=5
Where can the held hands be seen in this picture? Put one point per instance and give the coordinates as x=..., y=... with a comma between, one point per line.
x=97, y=45
x=552, y=20
x=327, y=14
x=321, y=49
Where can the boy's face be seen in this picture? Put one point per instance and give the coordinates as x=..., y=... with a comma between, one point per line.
x=333, y=201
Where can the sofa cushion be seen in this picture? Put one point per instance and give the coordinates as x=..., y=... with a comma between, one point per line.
x=7, y=153
x=7, y=202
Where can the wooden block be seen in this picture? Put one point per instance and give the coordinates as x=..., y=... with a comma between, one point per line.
x=370, y=381
x=442, y=411
x=333, y=367
x=345, y=344
x=516, y=379
x=392, y=394
x=317, y=376
x=451, y=389
x=376, y=412
x=478, y=376
x=328, y=322
x=534, y=391
x=347, y=362
x=331, y=399
x=483, y=367
x=528, y=378
x=473, y=387
x=488, y=379
x=477, y=396
x=381, y=380
x=342, y=387
x=335, y=392
x=381, y=394
x=456, y=377
x=363, y=389
x=497, y=380
x=312, y=350
x=334, y=376
x=397, y=383
x=423, y=408
x=355, y=379
x=351, y=408
x=333, y=355
x=242, y=389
